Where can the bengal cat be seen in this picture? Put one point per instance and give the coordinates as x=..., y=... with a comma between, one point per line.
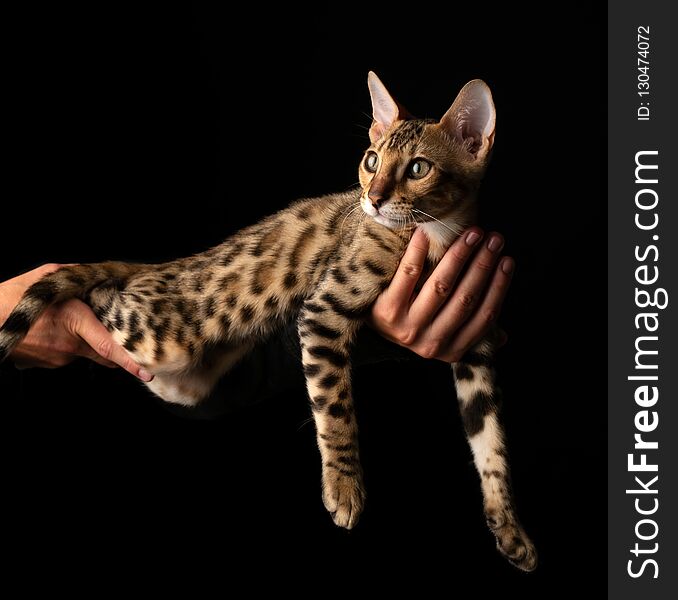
x=321, y=262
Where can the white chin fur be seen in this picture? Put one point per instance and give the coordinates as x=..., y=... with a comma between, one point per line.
x=374, y=213
x=382, y=220
x=368, y=208
x=440, y=238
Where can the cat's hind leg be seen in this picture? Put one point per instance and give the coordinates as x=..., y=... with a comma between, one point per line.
x=479, y=405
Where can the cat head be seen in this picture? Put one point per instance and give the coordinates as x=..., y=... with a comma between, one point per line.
x=425, y=171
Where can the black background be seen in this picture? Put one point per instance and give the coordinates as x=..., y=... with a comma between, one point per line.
x=150, y=135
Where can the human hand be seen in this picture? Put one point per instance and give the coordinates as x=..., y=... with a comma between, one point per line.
x=63, y=332
x=451, y=312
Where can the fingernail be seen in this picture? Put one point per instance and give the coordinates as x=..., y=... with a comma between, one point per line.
x=508, y=265
x=472, y=237
x=144, y=375
x=495, y=243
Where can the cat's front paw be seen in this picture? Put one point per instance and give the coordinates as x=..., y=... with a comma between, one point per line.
x=344, y=497
x=512, y=541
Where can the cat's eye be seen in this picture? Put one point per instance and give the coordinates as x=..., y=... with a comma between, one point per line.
x=371, y=161
x=418, y=168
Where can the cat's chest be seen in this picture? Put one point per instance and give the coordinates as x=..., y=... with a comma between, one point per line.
x=363, y=267
x=440, y=238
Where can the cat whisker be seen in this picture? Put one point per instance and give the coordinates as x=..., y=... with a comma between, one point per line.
x=351, y=207
x=350, y=212
x=404, y=221
x=304, y=423
x=367, y=115
x=456, y=231
x=411, y=219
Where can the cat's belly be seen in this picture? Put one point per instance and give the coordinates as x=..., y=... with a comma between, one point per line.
x=185, y=364
x=179, y=380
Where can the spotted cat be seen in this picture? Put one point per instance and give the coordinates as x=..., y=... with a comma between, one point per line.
x=321, y=263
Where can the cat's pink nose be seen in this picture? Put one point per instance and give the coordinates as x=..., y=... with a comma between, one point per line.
x=376, y=198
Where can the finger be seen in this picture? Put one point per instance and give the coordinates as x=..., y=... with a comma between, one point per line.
x=400, y=290
x=439, y=285
x=90, y=329
x=87, y=352
x=471, y=287
x=487, y=313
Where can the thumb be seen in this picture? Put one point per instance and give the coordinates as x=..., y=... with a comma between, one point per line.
x=99, y=339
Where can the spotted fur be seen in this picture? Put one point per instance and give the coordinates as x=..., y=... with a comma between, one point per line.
x=320, y=262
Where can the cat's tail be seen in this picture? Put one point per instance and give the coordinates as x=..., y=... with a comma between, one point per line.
x=73, y=281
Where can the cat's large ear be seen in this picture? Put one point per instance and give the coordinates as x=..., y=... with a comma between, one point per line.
x=471, y=119
x=385, y=110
